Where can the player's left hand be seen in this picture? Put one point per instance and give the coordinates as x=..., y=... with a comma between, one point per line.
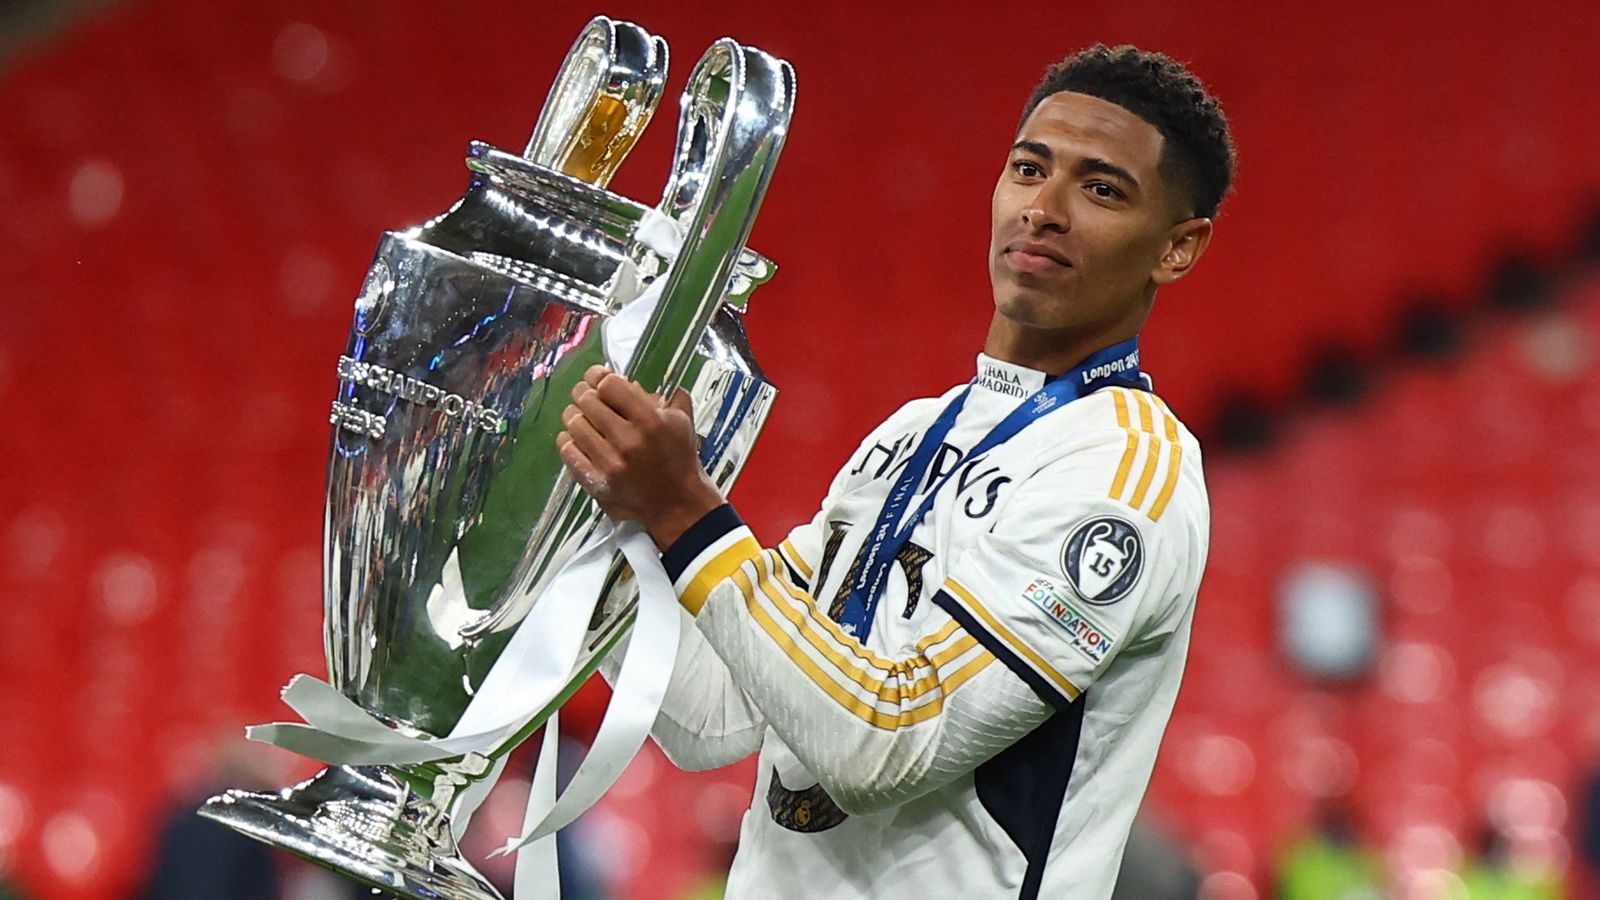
x=635, y=455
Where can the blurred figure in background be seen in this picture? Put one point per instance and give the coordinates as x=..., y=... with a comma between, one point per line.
x=1498, y=874
x=1331, y=863
x=201, y=860
x=196, y=859
x=1589, y=829
x=1155, y=867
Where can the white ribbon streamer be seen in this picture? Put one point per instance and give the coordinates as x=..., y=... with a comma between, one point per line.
x=636, y=697
x=535, y=666
x=538, y=869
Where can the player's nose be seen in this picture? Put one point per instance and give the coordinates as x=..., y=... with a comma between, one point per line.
x=1042, y=214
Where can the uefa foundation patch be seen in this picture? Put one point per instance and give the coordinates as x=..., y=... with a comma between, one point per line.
x=1087, y=636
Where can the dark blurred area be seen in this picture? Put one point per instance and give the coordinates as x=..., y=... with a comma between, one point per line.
x=1391, y=354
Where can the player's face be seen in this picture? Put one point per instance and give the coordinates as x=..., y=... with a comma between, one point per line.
x=1083, y=224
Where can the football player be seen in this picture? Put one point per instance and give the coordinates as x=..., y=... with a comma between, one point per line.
x=958, y=672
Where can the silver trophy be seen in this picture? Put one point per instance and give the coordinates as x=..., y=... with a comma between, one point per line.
x=448, y=511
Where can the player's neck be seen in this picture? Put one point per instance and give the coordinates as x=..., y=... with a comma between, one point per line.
x=1049, y=351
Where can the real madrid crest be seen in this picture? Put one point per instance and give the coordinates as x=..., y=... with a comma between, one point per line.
x=1102, y=559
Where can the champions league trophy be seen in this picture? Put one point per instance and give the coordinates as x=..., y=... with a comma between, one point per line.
x=449, y=514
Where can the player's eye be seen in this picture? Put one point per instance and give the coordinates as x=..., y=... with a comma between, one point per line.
x=1104, y=191
x=1027, y=168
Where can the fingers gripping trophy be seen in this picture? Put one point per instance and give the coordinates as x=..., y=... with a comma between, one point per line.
x=470, y=585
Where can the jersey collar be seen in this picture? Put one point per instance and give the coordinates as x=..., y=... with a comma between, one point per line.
x=997, y=376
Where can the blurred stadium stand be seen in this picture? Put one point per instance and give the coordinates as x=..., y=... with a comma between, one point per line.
x=1483, y=705
x=1393, y=334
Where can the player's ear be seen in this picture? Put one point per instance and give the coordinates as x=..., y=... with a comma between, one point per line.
x=1186, y=243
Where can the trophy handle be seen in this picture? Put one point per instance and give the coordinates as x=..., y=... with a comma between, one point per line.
x=601, y=101
x=736, y=111
x=734, y=118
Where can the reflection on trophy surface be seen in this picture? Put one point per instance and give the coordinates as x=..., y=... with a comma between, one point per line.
x=449, y=513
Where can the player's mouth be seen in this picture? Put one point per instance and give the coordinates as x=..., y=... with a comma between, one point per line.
x=1035, y=258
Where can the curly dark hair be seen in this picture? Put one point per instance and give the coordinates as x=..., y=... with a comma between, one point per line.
x=1197, y=150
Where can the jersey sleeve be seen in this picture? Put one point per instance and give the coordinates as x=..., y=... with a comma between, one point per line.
x=706, y=719
x=1095, y=556
x=874, y=731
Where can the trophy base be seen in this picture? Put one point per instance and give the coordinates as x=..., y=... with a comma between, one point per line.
x=361, y=822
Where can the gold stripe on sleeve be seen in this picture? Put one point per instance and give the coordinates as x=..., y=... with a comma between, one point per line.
x=1144, y=412
x=863, y=710
x=1171, y=420
x=1124, y=467
x=938, y=637
x=911, y=687
x=794, y=558
x=1163, y=498
x=855, y=705
x=1153, y=443
x=718, y=569
x=1005, y=634
x=906, y=689
x=966, y=672
x=804, y=600
x=800, y=598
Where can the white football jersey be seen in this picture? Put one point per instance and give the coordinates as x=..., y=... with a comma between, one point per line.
x=995, y=733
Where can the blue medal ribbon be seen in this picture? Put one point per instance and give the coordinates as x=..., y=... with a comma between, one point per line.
x=1115, y=365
